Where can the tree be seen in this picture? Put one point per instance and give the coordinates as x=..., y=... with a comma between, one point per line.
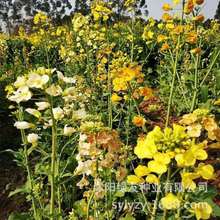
x=16, y=12
x=217, y=14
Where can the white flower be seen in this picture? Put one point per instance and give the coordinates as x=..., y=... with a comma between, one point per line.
x=65, y=79
x=32, y=138
x=194, y=130
x=23, y=94
x=48, y=124
x=82, y=137
x=42, y=105
x=54, y=90
x=83, y=182
x=33, y=112
x=68, y=131
x=37, y=81
x=79, y=114
x=20, y=82
x=23, y=125
x=58, y=113
x=87, y=167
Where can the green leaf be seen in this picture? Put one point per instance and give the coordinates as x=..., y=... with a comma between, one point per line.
x=19, y=216
x=23, y=189
x=128, y=217
x=215, y=207
x=119, y=194
x=204, y=93
x=218, y=80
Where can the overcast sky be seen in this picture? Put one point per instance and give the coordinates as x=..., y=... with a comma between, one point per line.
x=155, y=7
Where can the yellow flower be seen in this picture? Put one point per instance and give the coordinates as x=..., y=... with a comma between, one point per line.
x=187, y=180
x=147, y=35
x=138, y=121
x=141, y=171
x=170, y=26
x=189, y=6
x=157, y=167
x=9, y=89
x=191, y=38
x=145, y=148
x=201, y=112
x=129, y=73
x=132, y=179
x=178, y=29
x=162, y=157
x=167, y=7
x=167, y=17
x=198, y=2
x=202, y=210
x=40, y=17
x=164, y=47
x=151, y=178
x=78, y=21
x=146, y=92
x=196, y=50
x=115, y=98
x=119, y=84
x=206, y=171
x=151, y=22
x=199, y=18
x=170, y=201
x=161, y=38
x=178, y=132
x=160, y=26
x=156, y=134
x=217, y=102
x=189, y=157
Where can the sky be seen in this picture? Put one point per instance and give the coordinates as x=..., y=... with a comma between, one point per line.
x=155, y=7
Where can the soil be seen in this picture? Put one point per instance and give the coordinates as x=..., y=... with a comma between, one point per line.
x=11, y=176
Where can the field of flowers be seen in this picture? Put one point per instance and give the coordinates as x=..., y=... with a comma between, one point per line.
x=119, y=118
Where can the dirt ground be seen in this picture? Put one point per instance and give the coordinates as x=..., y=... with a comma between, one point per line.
x=11, y=176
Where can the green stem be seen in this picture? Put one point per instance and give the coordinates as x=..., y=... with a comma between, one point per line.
x=210, y=69
x=88, y=205
x=194, y=100
x=167, y=182
x=59, y=203
x=109, y=101
x=29, y=174
x=53, y=163
x=173, y=82
x=154, y=211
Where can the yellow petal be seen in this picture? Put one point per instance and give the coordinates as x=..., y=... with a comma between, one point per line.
x=151, y=178
x=132, y=179
x=170, y=201
x=141, y=170
x=157, y=167
x=202, y=210
x=206, y=171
